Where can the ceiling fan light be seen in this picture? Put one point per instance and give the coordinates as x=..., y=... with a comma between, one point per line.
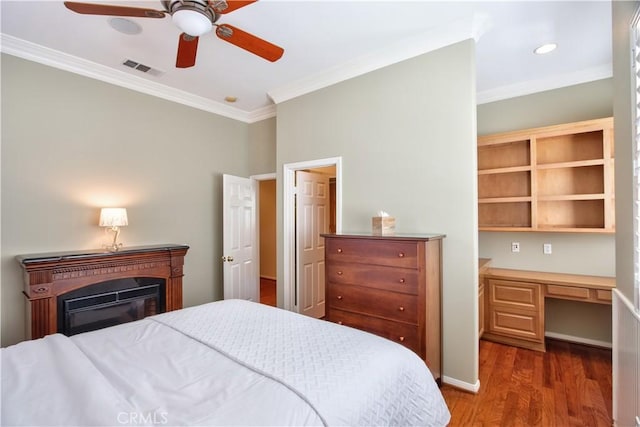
x=192, y=22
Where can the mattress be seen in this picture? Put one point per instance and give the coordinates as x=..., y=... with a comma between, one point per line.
x=230, y=362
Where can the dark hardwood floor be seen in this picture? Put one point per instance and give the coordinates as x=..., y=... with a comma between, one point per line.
x=569, y=385
x=268, y=291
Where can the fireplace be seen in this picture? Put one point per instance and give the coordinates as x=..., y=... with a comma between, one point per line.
x=110, y=303
x=79, y=291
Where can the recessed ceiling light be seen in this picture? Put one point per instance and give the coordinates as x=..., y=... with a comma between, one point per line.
x=125, y=26
x=230, y=98
x=545, y=48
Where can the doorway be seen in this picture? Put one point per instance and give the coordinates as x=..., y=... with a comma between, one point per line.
x=267, y=237
x=290, y=289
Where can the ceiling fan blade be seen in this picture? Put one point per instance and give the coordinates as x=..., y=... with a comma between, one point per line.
x=231, y=5
x=104, y=9
x=249, y=42
x=187, y=49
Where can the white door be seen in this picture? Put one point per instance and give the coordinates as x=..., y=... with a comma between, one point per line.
x=312, y=219
x=240, y=239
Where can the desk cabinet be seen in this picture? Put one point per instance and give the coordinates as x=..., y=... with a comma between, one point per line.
x=516, y=311
x=513, y=302
x=389, y=286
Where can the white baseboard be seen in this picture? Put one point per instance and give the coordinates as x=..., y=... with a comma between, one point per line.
x=579, y=340
x=473, y=388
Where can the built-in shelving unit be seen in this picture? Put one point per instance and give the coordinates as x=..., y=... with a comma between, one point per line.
x=555, y=178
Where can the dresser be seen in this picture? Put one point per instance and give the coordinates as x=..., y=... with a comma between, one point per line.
x=389, y=286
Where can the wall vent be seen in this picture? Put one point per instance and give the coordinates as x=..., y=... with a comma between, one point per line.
x=143, y=68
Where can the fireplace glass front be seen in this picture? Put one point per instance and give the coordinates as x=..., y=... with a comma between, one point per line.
x=110, y=303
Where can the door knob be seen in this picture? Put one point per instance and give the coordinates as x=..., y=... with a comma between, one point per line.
x=227, y=258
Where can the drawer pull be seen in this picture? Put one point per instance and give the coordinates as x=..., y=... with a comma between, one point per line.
x=401, y=308
x=339, y=297
x=401, y=254
x=401, y=339
x=339, y=250
x=402, y=280
x=339, y=273
x=339, y=322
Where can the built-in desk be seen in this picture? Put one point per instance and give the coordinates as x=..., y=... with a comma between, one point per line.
x=511, y=302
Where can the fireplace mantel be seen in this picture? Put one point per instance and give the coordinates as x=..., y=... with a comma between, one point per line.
x=49, y=275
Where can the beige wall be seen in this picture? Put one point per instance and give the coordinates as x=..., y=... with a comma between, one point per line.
x=262, y=147
x=592, y=254
x=71, y=144
x=268, y=243
x=406, y=134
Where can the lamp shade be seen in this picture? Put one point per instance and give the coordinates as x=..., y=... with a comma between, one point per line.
x=192, y=22
x=113, y=217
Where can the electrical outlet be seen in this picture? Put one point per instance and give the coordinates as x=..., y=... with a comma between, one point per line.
x=547, y=249
x=515, y=246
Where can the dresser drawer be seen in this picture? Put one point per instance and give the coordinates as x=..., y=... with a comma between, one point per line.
x=389, y=253
x=389, y=305
x=401, y=333
x=403, y=280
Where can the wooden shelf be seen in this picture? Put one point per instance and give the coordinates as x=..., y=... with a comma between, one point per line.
x=600, y=196
x=504, y=154
x=505, y=215
x=504, y=170
x=504, y=199
x=555, y=178
x=570, y=164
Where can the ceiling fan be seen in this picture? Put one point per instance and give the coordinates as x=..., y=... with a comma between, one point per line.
x=194, y=18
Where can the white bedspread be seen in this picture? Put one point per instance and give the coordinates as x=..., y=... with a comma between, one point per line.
x=268, y=367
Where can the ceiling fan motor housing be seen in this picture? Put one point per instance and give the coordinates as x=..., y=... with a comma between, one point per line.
x=193, y=17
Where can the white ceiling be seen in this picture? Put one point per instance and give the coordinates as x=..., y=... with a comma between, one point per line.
x=324, y=41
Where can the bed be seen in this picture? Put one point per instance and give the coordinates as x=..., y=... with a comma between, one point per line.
x=229, y=362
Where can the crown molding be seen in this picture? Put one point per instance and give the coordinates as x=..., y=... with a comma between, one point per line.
x=263, y=113
x=43, y=55
x=541, y=85
x=471, y=27
x=463, y=29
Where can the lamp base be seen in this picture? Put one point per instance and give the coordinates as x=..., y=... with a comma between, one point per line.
x=113, y=248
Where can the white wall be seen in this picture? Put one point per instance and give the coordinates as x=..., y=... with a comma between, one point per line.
x=71, y=145
x=406, y=134
x=626, y=348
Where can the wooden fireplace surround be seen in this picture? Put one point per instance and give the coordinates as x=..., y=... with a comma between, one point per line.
x=47, y=276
